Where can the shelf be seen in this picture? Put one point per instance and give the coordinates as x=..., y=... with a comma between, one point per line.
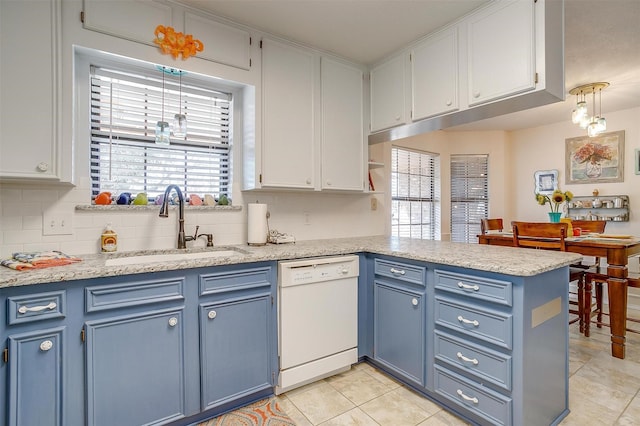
x=582, y=208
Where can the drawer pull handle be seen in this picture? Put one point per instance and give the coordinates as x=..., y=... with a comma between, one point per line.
x=46, y=345
x=464, y=286
x=468, y=398
x=397, y=271
x=463, y=320
x=212, y=314
x=24, y=309
x=465, y=359
x=173, y=321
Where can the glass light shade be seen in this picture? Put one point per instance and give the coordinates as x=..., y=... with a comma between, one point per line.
x=601, y=124
x=163, y=133
x=592, y=128
x=585, y=121
x=579, y=113
x=180, y=125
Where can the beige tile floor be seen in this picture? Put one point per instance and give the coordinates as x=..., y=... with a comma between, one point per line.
x=602, y=391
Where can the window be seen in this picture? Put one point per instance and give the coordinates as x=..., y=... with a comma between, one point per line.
x=415, y=194
x=469, y=196
x=126, y=104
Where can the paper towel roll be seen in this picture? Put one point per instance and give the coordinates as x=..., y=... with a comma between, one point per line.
x=257, y=224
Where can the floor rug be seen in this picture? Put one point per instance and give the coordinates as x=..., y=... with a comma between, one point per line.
x=266, y=412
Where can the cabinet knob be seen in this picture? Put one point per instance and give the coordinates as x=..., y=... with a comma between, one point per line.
x=397, y=118
x=328, y=183
x=476, y=94
x=449, y=102
x=46, y=345
x=173, y=321
x=212, y=314
x=43, y=167
x=308, y=181
x=414, y=301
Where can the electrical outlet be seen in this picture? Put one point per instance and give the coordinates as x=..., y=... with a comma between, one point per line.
x=307, y=218
x=374, y=203
x=57, y=225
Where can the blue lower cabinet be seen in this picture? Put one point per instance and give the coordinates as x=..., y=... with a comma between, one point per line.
x=235, y=349
x=135, y=369
x=36, y=368
x=399, y=330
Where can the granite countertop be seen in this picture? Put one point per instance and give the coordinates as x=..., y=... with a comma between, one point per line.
x=505, y=260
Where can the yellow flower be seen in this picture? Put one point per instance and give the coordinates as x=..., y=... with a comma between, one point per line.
x=555, y=200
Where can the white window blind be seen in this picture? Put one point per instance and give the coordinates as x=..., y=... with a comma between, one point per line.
x=125, y=107
x=415, y=194
x=469, y=195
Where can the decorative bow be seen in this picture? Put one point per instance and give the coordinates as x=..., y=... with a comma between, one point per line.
x=175, y=43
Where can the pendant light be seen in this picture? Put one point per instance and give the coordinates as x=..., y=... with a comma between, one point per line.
x=163, y=132
x=594, y=124
x=180, y=120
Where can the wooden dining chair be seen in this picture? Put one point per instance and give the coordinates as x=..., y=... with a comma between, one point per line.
x=551, y=236
x=598, y=276
x=490, y=225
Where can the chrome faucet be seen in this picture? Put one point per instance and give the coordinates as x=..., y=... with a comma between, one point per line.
x=164, y=212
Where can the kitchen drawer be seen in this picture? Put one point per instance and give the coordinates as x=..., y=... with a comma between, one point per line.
x=491, y=406
x=237, y=280
x=36, y=307
x=136, y=293
x=401, y=271
x=485, y=364
x=482, y=323
x=477, y=287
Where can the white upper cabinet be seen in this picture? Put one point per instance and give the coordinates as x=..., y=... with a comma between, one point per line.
x=501, y=51
x=132, y=20
x=342, y=134
x=388, y=86
x=29, y=91
x=222, y=43
x=288, y=101
x=137, y=21
x=434, y=75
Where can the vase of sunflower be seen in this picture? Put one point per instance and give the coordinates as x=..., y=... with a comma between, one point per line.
x=554, y=200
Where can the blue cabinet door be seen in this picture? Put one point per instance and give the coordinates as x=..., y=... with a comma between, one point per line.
x=36, y=367
x=236, y=349
x=135, y=369
x=399, y=330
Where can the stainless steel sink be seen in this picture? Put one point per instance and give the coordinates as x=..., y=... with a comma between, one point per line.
x=142, y=258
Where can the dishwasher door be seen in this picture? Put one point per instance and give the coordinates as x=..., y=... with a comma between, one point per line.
x=317, y=318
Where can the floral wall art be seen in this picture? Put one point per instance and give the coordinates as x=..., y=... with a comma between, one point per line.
x=595, y=159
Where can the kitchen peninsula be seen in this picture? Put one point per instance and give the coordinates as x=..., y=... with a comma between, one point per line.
x=487, y=325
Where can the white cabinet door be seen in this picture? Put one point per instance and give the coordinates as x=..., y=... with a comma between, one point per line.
x=434, y=75
x=501, y=51
x=288, y=81
x=29, y=84
x=222, y=43
x=342, y=134
x=388, y=94
x=132, y=20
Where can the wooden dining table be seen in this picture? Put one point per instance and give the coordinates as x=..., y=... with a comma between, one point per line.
x=617, y=252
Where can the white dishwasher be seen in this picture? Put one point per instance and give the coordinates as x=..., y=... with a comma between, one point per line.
x=317, y=319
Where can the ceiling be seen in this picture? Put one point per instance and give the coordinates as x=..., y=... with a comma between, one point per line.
x=602, y=40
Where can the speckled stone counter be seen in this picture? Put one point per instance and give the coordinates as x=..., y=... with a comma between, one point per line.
x=506, y=260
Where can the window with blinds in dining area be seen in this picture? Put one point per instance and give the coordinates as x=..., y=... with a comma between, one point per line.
x=469, y=196
x=126, y=104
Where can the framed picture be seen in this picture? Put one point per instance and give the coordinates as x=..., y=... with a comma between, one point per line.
x=597, y=159
x=546, y=181
x=637, y=155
